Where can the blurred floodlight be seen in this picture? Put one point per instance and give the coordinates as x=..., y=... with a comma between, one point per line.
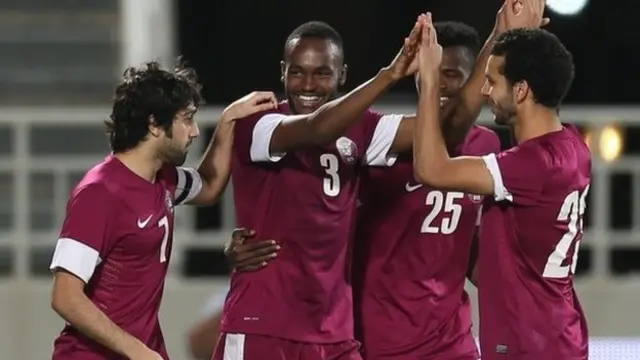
x=566, y=7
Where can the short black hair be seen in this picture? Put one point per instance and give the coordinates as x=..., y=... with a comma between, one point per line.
x=455, y=33
x=148, y=91
x=539, y=58
x=318, y=30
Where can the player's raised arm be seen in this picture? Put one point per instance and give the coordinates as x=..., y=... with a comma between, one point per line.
x=215, y=167
x=459, y=113
x=84, y=239
x=432, y=165
x=332, y=119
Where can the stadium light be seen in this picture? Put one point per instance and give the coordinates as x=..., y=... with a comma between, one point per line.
x=610, y=143
x=566, y=7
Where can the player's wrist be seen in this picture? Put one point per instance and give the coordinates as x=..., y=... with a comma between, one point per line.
x=134, y=349
x=387, y=75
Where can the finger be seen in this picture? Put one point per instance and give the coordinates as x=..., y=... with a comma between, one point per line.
x=257, y=261
x=510, y=7
x=545, y=21
x=262, y=96
x=255, y=245
x=263, y=107
x=250, y=268
x=242, y=233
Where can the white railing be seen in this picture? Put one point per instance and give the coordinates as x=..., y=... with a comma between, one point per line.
x=21, y=162
x=27, y=325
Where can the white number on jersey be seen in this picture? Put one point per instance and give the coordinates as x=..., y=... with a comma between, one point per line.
x=331, y=182
x=164, y=223
x=572, y=210
x=446, y=203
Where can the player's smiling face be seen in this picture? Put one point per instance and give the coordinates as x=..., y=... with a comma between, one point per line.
x=182, y=133
x=499, y=91
x=457, y=64
x=312, y=71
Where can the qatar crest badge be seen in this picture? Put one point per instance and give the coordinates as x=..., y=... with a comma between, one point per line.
x=347, y=149
x=168, y=201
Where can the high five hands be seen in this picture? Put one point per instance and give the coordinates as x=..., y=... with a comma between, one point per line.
x=515, y=14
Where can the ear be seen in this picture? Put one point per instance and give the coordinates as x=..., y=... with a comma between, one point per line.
x=342, y=79
x=154, y=129
x=283, y=70
x=521, y=91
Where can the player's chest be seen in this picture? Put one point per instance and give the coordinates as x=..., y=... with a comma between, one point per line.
x=147, y=225
x=437, y=210
x=332, y=167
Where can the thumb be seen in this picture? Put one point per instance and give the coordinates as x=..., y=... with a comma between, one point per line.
x=545, y=22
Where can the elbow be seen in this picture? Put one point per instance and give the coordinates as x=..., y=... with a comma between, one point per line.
x=425, y=176
x=60, y=302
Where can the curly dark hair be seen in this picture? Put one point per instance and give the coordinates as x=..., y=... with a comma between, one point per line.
x=455, y=33
x=539, y=58
x=145, y=92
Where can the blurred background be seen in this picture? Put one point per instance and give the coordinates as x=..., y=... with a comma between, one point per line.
x=62, y=59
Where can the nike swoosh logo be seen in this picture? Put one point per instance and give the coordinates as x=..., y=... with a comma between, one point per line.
x=142, y=224
x=411, y=188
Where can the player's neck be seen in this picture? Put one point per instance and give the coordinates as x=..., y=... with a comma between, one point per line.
x=534, y=122
x=141, y=163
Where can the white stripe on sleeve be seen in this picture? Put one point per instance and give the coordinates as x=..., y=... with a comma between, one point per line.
x=75, y=257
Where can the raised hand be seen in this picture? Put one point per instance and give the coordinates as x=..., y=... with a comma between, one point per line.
x=515, y=14
x=430, y=53
x=405, y=63
x=250, y=104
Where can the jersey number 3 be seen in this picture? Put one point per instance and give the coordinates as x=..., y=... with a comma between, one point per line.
x=331, y=182
x=572, y=210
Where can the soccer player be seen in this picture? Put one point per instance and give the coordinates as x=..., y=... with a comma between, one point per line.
x=113, y=252
x=412, y=245
x=296, y=180
x=528, y=249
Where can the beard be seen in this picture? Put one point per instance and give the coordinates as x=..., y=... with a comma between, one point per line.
x=503, y=114
x=173, y=154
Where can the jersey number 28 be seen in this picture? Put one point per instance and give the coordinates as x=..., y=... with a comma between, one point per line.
x=572, y=210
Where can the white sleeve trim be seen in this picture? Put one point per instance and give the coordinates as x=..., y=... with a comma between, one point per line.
x=500, y=193
x=377, y=153
x=75, y=257
x=261, y=138
x=189, y=185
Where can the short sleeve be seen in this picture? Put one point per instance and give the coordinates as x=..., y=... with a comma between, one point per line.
x=381, y=132
x=85, y=237
x=517, y=174
x=253, y=137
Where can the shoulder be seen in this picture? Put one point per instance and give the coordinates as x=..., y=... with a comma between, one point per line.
x=481, y=141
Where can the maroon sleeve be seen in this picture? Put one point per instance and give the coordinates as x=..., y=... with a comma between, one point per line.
x=518, y=174
x=88, y=218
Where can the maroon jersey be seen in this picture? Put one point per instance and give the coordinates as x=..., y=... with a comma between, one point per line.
x=528, y=250
x=411, y=256
x=117, y=238
x=305, y=200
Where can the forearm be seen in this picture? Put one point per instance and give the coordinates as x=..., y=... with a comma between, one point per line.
x=461, y=112
x=334, y=118
x=84, y=316
x=429, y=150
x=215, y=167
